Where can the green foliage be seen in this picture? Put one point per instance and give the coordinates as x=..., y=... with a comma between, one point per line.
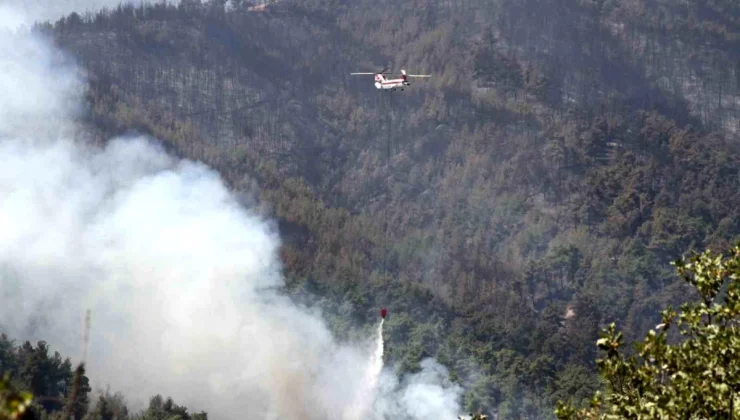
x=161, y=409
x=109, y=407
x=697, y=376
x=13, y=403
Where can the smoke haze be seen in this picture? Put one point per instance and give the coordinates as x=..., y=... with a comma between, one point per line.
x=14, y=13
x=181, y=279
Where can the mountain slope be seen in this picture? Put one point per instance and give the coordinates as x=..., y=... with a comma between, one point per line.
x=554, y=164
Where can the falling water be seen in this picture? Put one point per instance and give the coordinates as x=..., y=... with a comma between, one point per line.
x=376, y=365
x=370, y=382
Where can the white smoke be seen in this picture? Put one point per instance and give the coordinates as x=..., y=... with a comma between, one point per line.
x=16, y=13
x=428, y=394
x=180, y=278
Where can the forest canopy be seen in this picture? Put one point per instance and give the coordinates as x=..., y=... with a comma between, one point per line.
x=538, y=186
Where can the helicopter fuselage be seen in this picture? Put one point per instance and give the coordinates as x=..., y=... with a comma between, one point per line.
x=382, y=83
x=392, y=84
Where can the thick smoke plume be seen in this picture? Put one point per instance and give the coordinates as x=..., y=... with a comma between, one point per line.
x=180, y=278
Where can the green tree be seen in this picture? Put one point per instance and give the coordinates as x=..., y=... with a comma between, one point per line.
x=109, y=407
x=694, y=376
x=77, y=401
x=166, y=409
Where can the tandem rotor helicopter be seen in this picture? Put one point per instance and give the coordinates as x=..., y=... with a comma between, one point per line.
x=382, y=83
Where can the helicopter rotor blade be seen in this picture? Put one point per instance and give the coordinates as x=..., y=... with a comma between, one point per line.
x=362, y=73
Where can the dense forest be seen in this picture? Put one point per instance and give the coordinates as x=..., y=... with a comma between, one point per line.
x=533, y=190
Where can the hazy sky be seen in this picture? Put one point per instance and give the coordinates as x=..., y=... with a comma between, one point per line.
x=18, y=12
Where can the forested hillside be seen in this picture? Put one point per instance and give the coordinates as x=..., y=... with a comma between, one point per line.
x=538, y=184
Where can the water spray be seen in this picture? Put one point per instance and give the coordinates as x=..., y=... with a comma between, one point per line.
x=368, y=388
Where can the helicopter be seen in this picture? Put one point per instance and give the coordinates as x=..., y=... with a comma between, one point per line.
x=383, y=83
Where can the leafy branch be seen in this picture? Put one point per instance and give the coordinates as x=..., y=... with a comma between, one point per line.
x=13, y=402
x=697, y=378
